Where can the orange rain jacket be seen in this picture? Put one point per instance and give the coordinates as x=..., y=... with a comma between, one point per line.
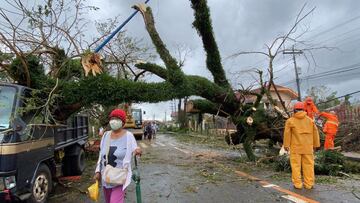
x=301, y=134
x=310, y=109
x=331, y=124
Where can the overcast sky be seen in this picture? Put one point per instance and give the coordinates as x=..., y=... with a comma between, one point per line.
x=246, y=25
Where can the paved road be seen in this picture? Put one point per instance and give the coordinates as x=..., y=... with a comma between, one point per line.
x=176, y=172
x=173, y=172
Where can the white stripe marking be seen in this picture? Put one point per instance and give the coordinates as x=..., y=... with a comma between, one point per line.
x=171, y=144
x=293, y=199
x=270, y=185
x=154, y=145
x=161, y=144
x=143, y=145
x=181, y=150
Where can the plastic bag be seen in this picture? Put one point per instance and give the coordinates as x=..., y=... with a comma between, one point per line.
x=283, y=151
x=94, y=193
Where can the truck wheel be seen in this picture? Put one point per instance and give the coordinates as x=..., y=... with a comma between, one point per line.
x=74, y=165
x=42, y=185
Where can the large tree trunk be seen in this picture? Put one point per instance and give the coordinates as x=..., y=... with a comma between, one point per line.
x=250, y=134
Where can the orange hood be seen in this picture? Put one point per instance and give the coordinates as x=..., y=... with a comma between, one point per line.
x=300, y=115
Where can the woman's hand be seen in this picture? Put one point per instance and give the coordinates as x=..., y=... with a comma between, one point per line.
x=97, y=176
x=138, y=151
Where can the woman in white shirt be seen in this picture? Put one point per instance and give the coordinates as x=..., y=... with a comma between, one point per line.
x=117, y=148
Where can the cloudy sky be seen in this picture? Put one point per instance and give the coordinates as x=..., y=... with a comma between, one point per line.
x=247, y=25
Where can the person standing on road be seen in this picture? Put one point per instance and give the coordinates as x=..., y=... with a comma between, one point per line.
x=310, y=108
x=301, y=138
x=330, y=128
x=117, y=148
x=153, y=126
x=149, y=131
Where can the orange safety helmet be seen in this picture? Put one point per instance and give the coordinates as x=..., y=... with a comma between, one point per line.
x=299, y=106
x=308, y=100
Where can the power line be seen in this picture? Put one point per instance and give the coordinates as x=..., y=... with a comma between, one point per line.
x=284, y=67
x=340, y=35
x=335, y=27
x=328, y=73
x=322, y=74
x=345, y=95
x=331, y=73
x=346, y=42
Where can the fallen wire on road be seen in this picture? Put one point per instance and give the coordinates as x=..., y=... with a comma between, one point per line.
x=160, y=173
x=168, y=195
x=73, y=188
x=264, y=158
x=353, y=192
x=57, y=196
x=349, y=176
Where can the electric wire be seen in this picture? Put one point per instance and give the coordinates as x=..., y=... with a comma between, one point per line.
x=345, y=95
x=327, y=73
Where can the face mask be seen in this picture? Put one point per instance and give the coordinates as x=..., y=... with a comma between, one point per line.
x=115, y=124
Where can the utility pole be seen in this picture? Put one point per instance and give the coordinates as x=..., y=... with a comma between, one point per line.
x=293, y=52
x=171, y=106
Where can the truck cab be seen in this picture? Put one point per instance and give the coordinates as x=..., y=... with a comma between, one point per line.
x=134, y=122
x=33, y=152
x=137, y=115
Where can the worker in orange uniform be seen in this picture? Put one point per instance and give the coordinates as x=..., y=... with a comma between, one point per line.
x=310, y=108
x=301, y=138
x=330, y=128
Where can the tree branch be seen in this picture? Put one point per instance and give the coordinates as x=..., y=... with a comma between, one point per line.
x=138, y=75
x=280, y=98
x=19, y=54
x=247, y=52
x=297, y=21
x=164, y=53
x=205, y=106
x=153, y=68
x=203, y=25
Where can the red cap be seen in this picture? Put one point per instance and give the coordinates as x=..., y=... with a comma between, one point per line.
x=118, y=113
x=299, y=106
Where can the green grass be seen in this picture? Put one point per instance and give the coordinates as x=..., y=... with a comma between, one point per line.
x=210, y=176
x=281, y=176
x=352, y=167
x=326, y=180
x=191, y=189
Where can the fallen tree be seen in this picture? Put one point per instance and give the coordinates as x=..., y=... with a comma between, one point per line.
x=66, y=90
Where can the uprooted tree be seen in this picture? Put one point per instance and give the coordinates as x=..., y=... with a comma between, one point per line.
x=73, y=91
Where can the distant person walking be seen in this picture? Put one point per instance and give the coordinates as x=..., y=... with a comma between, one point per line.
x=301, y=138
x=154, y=129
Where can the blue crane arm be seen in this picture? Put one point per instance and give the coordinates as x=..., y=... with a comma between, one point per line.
x=117, y=30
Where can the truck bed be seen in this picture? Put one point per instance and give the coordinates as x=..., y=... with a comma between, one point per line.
x=78, y=129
